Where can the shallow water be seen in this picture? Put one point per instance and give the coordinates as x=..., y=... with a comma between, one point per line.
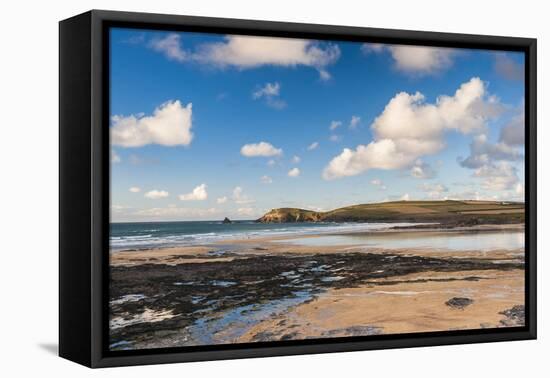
x=453, y=241
x=232, y=324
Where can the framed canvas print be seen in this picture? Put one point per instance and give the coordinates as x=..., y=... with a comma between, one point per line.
x=233, y=188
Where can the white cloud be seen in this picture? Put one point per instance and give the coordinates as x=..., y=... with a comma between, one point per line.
x=313, y=146
x=508, y=68
x=420, y=60
x=239, y=197
x=198, y=194
x=483, y=152
x=221, y=200
x=354, y=122
x=266, y=179
x=410, y=128
x=170, y=46
x=405, y=197
x=367, y=48
x=114, y=157
x=296, y=159
x=170, y=125
x=245, y=52
x=271, y=162
x=334, y=125
x=434, y=191
x=500, y=176
x=422, y=170
x=260, y=149
x=156, y=194
x=335, y=138
x=513, y=133
x=270, y=92
x=135, y=189
x=294, y=172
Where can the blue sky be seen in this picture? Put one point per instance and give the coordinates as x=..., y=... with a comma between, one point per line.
x=207, y=126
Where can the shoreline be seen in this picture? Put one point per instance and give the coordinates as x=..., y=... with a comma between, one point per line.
x=388, y=228
x=204, y=252
x=265, y=289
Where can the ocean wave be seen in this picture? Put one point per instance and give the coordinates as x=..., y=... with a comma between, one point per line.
x=176, y=238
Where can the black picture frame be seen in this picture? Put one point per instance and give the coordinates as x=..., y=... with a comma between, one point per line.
x=84, y=187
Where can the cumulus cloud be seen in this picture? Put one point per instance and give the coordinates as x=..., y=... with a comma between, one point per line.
x=422, y=170
x=410, y=128
x=170, y=46
x=270, y=92
x=198, y=194
x=269, y=89
x=135, y=189
x=499, y=176
x=221, y=200
x=313, y=146
x=156, y=194
x=434, y=191
x=508, y=68
x=296, y=159
x=169, y=125
x=262, y=149
x=419, y=60
x=513, y=133
x=246, y=52
x=266, y=179
x=294, y=172
x=405, y=197
x=334, y=125
x=483, y=152
x=354, y=122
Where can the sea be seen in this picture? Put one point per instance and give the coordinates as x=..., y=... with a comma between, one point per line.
x=145, y=235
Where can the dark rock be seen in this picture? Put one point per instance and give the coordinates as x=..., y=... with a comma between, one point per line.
x=354, y=331
x=515, y=316
x=226, y=220
x=459, y=303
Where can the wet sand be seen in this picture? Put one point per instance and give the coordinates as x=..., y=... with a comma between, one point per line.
x=412, y=303
x=268, y=289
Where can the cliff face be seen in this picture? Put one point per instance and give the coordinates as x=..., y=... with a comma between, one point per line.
x=289, y=215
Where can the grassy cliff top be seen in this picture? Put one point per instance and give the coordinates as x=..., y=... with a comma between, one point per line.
x=448, y=211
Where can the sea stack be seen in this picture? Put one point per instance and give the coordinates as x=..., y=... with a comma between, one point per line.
x=226, y=220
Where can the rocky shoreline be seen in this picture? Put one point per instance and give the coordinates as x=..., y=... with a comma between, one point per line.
x=176, y=304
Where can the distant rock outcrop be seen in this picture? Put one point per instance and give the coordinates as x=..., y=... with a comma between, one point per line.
x=289, y=215
x=226, y=220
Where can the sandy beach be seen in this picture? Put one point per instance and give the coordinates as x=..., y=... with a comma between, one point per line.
x=283, y=288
